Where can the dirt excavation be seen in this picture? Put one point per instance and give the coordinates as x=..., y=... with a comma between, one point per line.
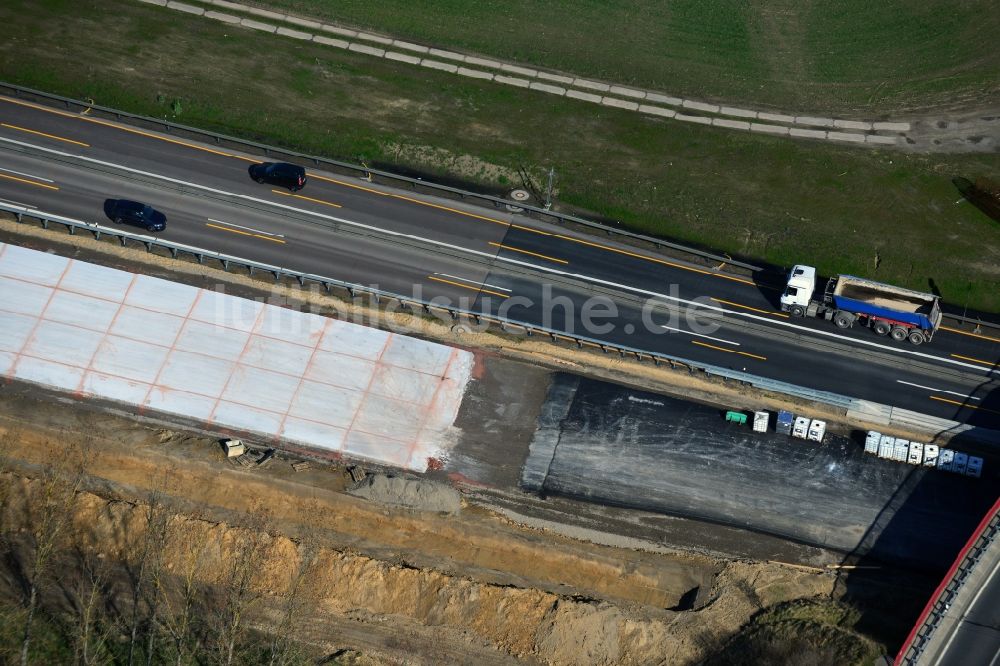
x=162, y=546
x=397, y=585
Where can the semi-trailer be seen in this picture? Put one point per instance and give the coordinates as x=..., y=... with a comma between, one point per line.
x=902, y=314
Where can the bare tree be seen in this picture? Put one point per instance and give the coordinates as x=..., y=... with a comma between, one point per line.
x=50, y=510
x=181, y=604
x=299, y=599
x=146, y=559
x=241, y=590
x=88, y=588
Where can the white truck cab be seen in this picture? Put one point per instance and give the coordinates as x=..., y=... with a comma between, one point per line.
x=799, y=290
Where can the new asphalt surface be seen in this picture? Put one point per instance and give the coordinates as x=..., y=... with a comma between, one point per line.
x=346, y=228
x=618, y=446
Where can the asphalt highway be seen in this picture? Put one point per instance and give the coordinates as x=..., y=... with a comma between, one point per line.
x=482, y=259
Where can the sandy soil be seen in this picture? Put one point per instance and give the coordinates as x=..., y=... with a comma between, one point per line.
x=397, y=582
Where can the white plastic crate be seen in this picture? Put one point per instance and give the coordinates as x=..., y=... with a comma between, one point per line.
x=930, y=455
x=916, y=453
x=801, y=427
x=945, y=458
x=871, y=442
x=886, y=445
x=760, y=421
x=817, y=430
x=902, y=450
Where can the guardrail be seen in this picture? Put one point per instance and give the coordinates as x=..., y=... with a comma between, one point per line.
x=362, y=170
x=940, y=602
x=353, y=289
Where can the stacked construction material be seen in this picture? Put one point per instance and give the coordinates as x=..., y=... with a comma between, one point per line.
x=925, y=455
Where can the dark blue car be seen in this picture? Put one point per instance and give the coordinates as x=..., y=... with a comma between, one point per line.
x=123, y=211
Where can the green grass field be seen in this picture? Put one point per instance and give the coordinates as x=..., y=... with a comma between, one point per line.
x=885, y=215
x=853, y=57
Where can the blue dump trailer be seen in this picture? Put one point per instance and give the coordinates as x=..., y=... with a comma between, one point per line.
x=902, y=314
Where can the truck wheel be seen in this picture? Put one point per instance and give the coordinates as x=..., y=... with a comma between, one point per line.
x=898, y=333
x=882, y=328
x=843, y=320
x=798, y=311
x=917, y=337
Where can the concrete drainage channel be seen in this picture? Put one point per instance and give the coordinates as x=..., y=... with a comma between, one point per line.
x=655, y=104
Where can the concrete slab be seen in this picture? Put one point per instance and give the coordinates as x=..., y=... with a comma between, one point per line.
x=377, y=39
x=657, y=111
x=257, y=25
x=186, y=8
x=265, y=13
x=437, y=64
x=700, y=106
x=585, y=96
x=663, y=99
x=845, y=136
x=240, y=365
x=813, y=120
x=620, y=103
x=768, y=129
x=220, y=16
x=367, y=50
x=449, y=55
x=731, y=124
x=409, y=46
x=475, y=73
x=336, y=30
x=226, y=4
x=332, y=41
x=511, y=81
x=738, y=113
x=591, y=85
x=159, y=3
x=544, y=87
x=304, y=23
x=482, y=62
x=558, y=78
x=775, y=117
x=701, y=120
x=852, y=124
x=891, y=127
x=523, y=71
x=883, y=140
x=402, y=57
x=295, y=34
x=807, y=133
x=627, y=92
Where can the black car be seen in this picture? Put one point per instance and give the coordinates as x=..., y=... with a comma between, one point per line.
x=287, y=175
x=123, y=211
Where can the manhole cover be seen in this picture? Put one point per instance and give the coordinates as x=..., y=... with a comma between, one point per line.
x=517, y=195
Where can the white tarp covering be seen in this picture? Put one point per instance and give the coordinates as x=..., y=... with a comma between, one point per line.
x=227, y=361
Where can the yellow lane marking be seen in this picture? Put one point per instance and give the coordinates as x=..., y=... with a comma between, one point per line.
x=971, y=335
x=465, y=286
x=50, y=136
x=124, y=129
x=299, y=196
x=244, y=233
x=747, y=307
x=962, y=404
x=975, y=360
x=654, y=260
x=728, y=351
x=533, y=254
x=29, y=182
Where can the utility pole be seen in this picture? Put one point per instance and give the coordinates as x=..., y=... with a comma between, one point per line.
x=548, y=189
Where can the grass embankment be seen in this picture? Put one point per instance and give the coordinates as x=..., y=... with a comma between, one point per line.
x=851, y=57
x=886, y=215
